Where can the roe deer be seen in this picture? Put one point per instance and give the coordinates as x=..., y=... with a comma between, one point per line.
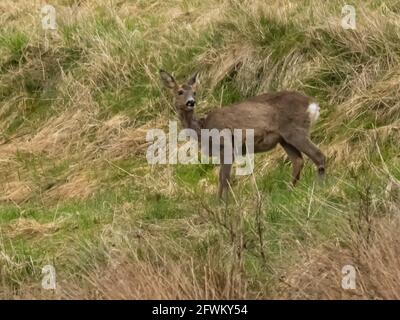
x=283, y=117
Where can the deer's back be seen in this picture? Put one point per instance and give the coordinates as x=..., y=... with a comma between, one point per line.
x=271, y=112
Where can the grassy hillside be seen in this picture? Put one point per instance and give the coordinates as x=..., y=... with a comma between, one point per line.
x=78, y=193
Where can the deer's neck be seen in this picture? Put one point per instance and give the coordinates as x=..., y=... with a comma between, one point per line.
x=189, y=120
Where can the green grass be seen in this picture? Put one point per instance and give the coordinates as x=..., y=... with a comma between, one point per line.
x=159, y=207
x=190, y=175
x=12, y=44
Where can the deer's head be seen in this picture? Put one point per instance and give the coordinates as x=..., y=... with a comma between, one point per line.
x=185, y=94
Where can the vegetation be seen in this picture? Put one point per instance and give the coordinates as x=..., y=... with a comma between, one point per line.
x=78, y=193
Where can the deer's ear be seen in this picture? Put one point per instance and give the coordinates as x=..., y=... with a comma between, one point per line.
x=167, y=79
x=193, y=80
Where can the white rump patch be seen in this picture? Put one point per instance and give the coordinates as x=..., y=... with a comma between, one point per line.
x=313, y=110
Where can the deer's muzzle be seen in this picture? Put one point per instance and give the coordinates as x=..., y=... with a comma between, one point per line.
x=190, y=103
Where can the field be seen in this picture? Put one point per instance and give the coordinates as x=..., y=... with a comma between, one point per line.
x=77, y=192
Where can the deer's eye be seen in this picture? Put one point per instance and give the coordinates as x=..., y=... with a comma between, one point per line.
x=194, y=94
x=180, y=92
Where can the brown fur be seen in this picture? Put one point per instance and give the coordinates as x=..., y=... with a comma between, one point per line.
x=277, y=118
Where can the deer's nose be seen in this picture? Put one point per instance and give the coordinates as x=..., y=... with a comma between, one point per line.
x=190, y=103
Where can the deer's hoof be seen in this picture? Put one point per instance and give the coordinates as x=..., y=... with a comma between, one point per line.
x=321, y=175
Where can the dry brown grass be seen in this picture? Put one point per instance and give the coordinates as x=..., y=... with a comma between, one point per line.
x=373, y=250
x=30, y=228
x=162, y=280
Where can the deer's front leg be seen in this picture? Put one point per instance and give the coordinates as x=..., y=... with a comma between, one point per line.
x=224, y=176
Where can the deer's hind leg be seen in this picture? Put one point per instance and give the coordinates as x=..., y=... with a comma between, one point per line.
x=300, y=140
x=296, y=159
